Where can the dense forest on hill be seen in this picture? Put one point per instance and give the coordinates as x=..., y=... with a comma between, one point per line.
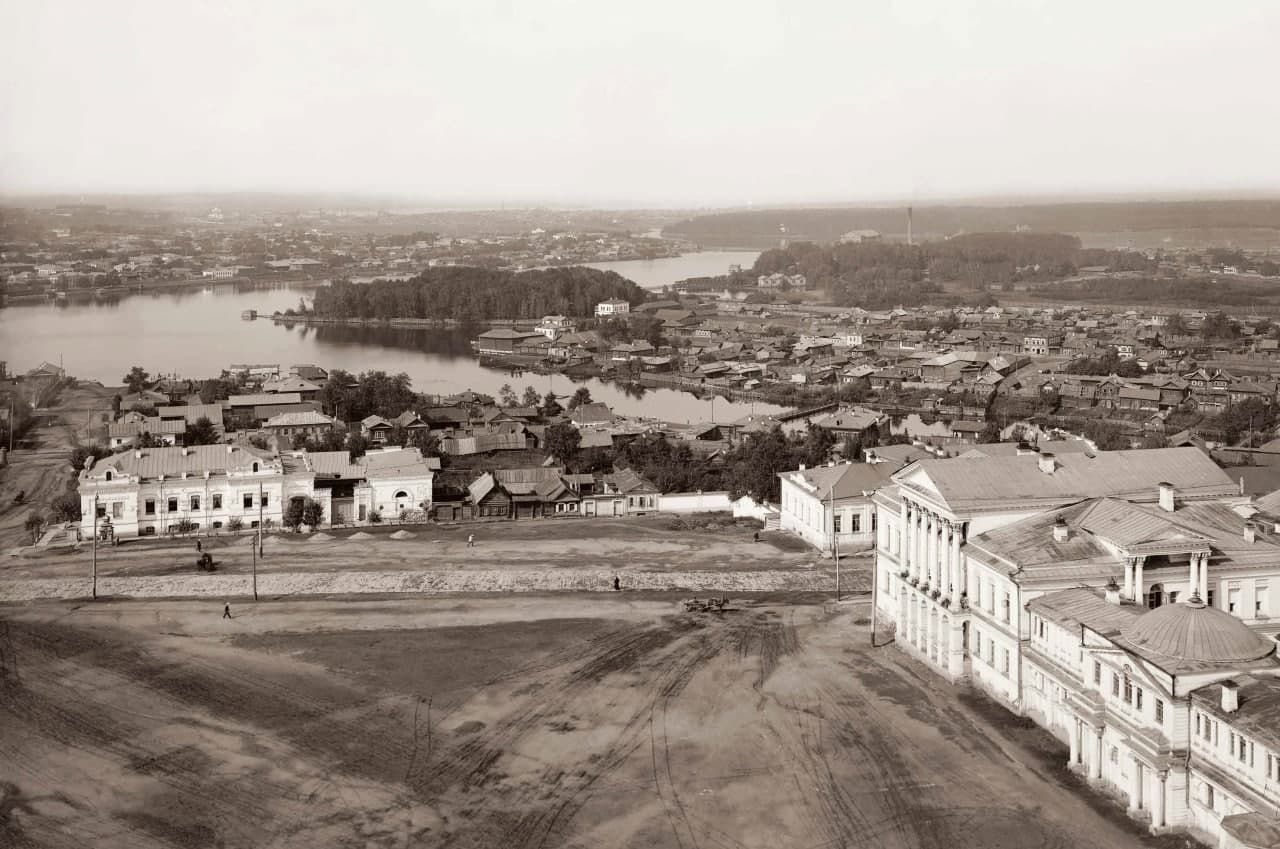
x=1203, y=293
x=876, y=275
x=762, y=228
x=478, y=294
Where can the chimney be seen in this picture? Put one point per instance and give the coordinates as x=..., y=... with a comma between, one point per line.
x=1047, y=462
x=1061, y=533
x=1230, y=697
x=1167, y=493
x=137, y=455
x=1250, y=535
x=1113, y=592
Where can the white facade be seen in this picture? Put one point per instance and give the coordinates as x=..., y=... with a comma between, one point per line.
x=612, y=307
x=807, y=509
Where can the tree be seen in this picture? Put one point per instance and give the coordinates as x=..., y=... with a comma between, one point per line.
x=137, y=379
x=563, y=441
x=116, y=401
x=293, y=516
x=582, y=395
x=530, y=398
x=507, y=396
x=550, y=406
x=357, y=445
x=300, y=441
x=65, y=508
x=312, y=512
x=34, y=526
x=202, y=432
x=146, y=440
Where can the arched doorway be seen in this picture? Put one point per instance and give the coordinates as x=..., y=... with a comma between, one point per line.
x=402, y=501
x=1155, y=596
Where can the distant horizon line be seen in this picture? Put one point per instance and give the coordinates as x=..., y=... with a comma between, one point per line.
x=390, y=201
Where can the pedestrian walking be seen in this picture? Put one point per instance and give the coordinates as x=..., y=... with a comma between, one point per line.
x=617, y=585
x=226, y=611
x=471, y=540
x=757, y=536
x=198, y=545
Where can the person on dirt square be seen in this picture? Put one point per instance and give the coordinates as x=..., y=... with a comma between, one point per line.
x=226, y=611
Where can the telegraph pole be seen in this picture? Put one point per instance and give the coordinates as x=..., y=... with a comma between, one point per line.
x=95, y=545
x=260, y=518
x=835, y=541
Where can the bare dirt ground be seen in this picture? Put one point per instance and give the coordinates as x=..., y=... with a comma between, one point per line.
x=513, y=722
x=40, y=466
x=646, y=543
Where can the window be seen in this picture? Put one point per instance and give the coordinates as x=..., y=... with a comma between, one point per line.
x=1128, y=690
x=217, y=501
x=1233, y=599
x=149, y=531
x=117, y=510
x=255, y=467
x=1115, y=685
x=108, y=475
x=1208, y=795
x=855, y=523
x=100, y=510
x=1260, y=591
x=1004, y=662
x=1005, y=607
x=248, y=500
x=149, y=507
x=1097, y=673
x=173, y=505
x=1137, y=698
x=1173, y=596
x=835, y=523
x=195, y=502
x=264, y=498
x=217, y=525
x=1039, y=627
x=1160, y=711
x=1209, y=596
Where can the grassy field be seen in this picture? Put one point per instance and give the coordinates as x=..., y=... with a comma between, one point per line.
x=516, y=722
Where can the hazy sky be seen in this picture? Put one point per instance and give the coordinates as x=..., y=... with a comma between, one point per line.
x=690, y=102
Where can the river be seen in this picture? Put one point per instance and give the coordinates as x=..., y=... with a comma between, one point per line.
x=197, y=332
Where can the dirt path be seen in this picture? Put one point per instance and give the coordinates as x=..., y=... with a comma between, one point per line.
x=535, y=722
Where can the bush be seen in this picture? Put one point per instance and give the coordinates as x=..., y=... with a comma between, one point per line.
x=34, y=525
x=184, y=526
x=65, y=508
x=375, y=517
x=235, y=523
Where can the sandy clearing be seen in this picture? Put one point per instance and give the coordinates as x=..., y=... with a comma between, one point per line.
x=515, y=722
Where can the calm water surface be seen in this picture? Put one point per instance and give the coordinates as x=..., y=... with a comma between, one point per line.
x=198, y=332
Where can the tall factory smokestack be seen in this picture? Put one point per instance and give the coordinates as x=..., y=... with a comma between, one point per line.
x=909, y=226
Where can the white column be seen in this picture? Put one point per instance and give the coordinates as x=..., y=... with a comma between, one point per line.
x=1204, y=578
x=1193, y=577
x=1095, y=771
x=1158, y=802
x=1074, y=734
x=1139, y=590
x=1135, y=784
x=902, y=534
x=1128, y=578
x=913, y=540
x=962, y=577
x=927, y=549
x=949, y=558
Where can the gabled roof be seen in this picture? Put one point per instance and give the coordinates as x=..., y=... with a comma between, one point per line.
x=842, y=480
x=627, y=482
x=309, y=418
x=969, y=483
x=150, y=463
x=264, y=398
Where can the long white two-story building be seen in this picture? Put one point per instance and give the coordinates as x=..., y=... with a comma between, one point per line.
x=1093, y=593
x=155, y=491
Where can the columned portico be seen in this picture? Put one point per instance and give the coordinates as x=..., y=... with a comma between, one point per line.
x=1135, y=785
x=1158, y=801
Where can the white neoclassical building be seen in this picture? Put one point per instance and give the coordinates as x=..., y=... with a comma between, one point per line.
x=826, y=504
x=154, y=491
x=1037, y=577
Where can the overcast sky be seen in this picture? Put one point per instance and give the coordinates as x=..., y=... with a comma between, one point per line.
x=690, y=102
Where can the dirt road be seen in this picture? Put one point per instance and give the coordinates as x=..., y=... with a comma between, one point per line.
x=516, y=722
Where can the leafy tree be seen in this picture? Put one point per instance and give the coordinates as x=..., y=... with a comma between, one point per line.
x=563, y=441
x=137, y=379
x=550, y=406
x=116, y=401
x=146, y=440
x=530, y=398
x=234, y=524
x=582, y=395
x=357, y=445
x=507, y=396
x=300, y=441
x=65, y=508
x=201, y=432
x=1219, y=325
x=34, y=526
x=312, y=512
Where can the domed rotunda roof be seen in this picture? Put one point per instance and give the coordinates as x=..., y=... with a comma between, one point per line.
x=1192, y=632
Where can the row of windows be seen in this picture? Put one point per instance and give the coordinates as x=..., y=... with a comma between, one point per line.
x=1132, y=694
x=991, y=653
x=149, y=506
x=1238, y=746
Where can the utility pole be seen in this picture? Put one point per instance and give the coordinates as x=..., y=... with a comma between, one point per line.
x=260, y=518
x=835, y=541
x=95, y=545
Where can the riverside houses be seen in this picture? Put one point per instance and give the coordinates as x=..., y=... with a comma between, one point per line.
x=152, y=491
x=1122, y=600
